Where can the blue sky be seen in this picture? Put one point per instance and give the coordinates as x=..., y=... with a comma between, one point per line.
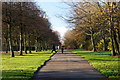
x=53, y=10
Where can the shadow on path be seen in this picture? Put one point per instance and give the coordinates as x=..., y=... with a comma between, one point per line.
x=67, y=66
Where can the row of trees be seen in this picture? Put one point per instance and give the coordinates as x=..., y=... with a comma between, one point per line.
x=96, y=26
x=25, y=25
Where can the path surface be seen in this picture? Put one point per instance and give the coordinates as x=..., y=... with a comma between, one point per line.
x=68, y=66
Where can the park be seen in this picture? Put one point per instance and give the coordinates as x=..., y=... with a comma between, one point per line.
x=36, y=45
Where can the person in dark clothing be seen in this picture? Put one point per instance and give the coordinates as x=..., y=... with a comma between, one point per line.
x=62, y=48
x=53, y=49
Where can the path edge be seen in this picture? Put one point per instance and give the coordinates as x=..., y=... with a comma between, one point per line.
x=41, y=66
x=92, y=65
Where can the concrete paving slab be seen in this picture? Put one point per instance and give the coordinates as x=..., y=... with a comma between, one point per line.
x=68, y=66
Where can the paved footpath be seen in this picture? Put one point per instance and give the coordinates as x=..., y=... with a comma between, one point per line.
x=68, y=66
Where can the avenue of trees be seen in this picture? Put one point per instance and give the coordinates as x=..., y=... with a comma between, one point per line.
x=96, y=26
x=24, y=25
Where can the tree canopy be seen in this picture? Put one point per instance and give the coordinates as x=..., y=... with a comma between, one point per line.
x=25, y=26
x=96, y=26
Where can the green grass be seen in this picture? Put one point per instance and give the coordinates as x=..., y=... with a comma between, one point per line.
x=22, y=67
x=102, y=61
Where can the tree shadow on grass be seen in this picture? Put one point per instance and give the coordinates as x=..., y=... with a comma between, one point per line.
x=40, y=53
x=103, y=60
x=17, y=74
x=103, y=53
x=95, y=53
x=86, y=53
x=33, y=54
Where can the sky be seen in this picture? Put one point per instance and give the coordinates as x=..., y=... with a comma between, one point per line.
x=54, y=10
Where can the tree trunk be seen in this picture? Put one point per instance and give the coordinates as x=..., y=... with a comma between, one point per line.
x=25, y=47
x=7, y=45
x=36, y=45
x=104, y=44
x=7, y=42
x=112, y=36
x=113, y=48
x=119, y=40
x=21, y=41
x=104, y=41
x=118, y=36
x=93, y=41
x=29, y=43
x=40, y=46
x=10, y=40
x=45, y=45
x=116, y=43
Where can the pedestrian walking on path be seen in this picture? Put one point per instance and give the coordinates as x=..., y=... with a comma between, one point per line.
x=53, y=49
x=68, y=66
x=62, y=48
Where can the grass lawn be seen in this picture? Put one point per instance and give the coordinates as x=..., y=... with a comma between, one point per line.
x=102, y=61
x=22, y=67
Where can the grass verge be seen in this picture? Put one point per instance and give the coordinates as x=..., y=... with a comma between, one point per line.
x=102, y=61
x=22, y=67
